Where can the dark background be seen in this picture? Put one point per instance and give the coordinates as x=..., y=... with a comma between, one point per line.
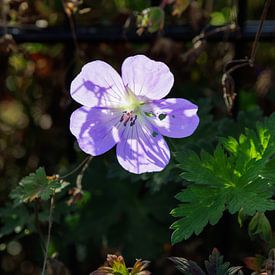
x=119, y=212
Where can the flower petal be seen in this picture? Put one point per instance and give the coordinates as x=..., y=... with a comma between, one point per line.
x=173, y=117
x=142, y=149
x=95, y=129
x=98, y=85
x=146, y=77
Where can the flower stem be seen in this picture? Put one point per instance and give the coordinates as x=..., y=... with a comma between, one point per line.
x=81, y=174
x=87, y=159
x=49, y=236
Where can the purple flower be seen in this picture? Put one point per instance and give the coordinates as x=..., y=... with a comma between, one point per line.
x=129, y=112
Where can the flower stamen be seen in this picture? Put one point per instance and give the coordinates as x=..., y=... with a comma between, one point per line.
x=128, y=116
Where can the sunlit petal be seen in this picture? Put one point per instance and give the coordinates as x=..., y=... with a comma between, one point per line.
x=173, y=117
x=98, y=84
x=142, y=149
x=146, y=77
x=95, y=129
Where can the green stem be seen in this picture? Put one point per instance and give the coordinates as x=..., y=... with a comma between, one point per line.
x=49, y=236
x=76, y=168
x=81, y=174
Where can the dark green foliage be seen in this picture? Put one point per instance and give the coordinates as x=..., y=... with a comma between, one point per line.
x=213, y=266
x=238, y=176
x=187, y=267
x=29, y=203
x=14, y=219
x=122, y=212
x=118, y=211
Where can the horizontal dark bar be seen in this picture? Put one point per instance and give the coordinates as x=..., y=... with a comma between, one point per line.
x=119, y=34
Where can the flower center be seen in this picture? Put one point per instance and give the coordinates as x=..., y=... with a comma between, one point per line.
x=133, y=103
x=128, y=117
x=131, y=109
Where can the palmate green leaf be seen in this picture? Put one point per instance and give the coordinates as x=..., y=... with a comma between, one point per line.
x=238, y=176
x=207, y=169
x=215, y=264
x=200, y=207
x=35, y=186
x=251, y=198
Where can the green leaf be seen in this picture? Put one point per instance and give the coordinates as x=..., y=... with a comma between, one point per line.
x=215, y=264
x=238, y=176
x=206, y=169
x=259, y=225
x=200, y=206
x=35, y=186
x=253, y=197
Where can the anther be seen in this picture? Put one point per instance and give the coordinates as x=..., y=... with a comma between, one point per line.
x=128, y=116
x=133, y=121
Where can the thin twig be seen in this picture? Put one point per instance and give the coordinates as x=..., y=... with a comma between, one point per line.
x=49, y=236
x=259, y=32
x=238, y=66
x=37, y=224
x=204, y=35
x=76, y=168
x=81, y=174
x=72, y=27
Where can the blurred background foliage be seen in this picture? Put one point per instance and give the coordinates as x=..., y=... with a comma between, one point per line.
x=116, y=211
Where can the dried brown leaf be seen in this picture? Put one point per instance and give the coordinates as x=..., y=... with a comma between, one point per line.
x=228, y=86
x=116, y=265
x=139, y=268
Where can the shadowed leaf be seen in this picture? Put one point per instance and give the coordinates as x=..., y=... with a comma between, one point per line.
x=187, y=267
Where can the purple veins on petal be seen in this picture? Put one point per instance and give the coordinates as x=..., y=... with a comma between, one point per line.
x=98, y=85
x=139, y=151
x=175, y=117
x=146, y=77
x=95, y=129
